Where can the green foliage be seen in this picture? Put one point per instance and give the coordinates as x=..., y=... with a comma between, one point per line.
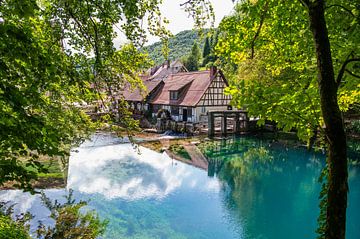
x=246, y=167
x=179, y=46
x=13, y=229
x=279, y=76
x=209, y=54
x=192, y=62
x=353, y=127
x=207, y=48
x=54, y=57
x=274, y=72
x=70, y=221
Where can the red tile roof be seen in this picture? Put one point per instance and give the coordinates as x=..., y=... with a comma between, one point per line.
x=180, y=84
x=136, y=94
x=196, y=84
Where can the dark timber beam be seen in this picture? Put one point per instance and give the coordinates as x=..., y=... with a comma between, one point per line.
x=211, y=125
x=224, y=125
x=237, y=124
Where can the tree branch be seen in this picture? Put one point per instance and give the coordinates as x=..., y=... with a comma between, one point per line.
x=352, y=74
x=262, y=19
x=343, y=68
x=340, y=6
x=305, y=3
x=185, y=3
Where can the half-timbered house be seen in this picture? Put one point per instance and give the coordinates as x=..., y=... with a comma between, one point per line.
x=153, y=80
x=188, y=96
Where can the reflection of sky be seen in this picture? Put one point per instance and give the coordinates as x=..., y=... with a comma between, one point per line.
x=119, y=171
x=148, y=195
x=128, y=179
x=24, y=200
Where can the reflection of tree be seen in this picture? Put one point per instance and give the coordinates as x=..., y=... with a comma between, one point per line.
x=246, y=166
x=264, y=188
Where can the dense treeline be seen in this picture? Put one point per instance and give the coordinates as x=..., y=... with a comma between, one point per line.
x=179, y=46
x=195, y=49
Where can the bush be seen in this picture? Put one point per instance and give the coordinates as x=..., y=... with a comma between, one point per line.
x=71, y=221
x=13, y=229
x=353, y=127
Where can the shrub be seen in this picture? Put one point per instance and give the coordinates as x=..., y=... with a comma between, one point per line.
x=353, y=127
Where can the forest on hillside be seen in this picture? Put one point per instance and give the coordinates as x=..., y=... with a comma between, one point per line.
x=179, y=46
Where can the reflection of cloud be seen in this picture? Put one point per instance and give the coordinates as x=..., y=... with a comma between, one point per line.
x=118, y=171
x=213, y=185
x=23, y=201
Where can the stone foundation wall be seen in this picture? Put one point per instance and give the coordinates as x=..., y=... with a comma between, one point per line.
x=163, y=125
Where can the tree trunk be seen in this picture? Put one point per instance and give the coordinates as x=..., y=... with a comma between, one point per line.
x=334, y=132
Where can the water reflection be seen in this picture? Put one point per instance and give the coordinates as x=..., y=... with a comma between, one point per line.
x=255, y=190
x=271, y=190
x=119, y=171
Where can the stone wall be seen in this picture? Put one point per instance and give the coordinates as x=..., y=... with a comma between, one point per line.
x=163, y=125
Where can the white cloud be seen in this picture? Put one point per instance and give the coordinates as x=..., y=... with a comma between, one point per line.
x=179, y=19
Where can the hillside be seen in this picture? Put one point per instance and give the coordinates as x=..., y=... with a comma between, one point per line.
x=179, y=46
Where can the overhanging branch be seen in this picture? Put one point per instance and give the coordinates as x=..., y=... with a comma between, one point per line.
x=342, y=7
x=262, y=19
x=352, y=74
x=343, y=69
x=305, y=3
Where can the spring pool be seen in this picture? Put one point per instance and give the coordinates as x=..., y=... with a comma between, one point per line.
x=252, y=189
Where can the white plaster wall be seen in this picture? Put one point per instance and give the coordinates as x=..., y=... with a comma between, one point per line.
x=203, y=116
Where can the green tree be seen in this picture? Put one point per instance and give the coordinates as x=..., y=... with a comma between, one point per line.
x=55, y=56
x=179, y=46
x=206, y=51
x=192, y=62
x=281, y=79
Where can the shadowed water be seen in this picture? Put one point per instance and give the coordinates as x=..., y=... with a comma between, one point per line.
x=252, y=190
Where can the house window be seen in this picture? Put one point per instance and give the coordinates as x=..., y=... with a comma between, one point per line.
x=174, y=110
x=174, y=95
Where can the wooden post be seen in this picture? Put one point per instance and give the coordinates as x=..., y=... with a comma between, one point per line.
x=246, y=122
x=224, y=125
x=237, y=124
x=211, y=126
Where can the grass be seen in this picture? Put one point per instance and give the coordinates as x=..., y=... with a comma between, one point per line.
x=54, y=169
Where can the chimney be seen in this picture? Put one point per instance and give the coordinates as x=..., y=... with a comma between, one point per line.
x=213, y=71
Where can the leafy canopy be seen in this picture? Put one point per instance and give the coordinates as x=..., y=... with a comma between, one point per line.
x=57, y=57
x=274, y=75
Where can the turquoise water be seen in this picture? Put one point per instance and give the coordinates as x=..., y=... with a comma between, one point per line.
x=253, y=189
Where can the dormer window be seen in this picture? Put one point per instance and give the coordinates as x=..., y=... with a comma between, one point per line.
x=174, y=95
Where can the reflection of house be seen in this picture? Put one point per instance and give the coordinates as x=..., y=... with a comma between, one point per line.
x=188, y=96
